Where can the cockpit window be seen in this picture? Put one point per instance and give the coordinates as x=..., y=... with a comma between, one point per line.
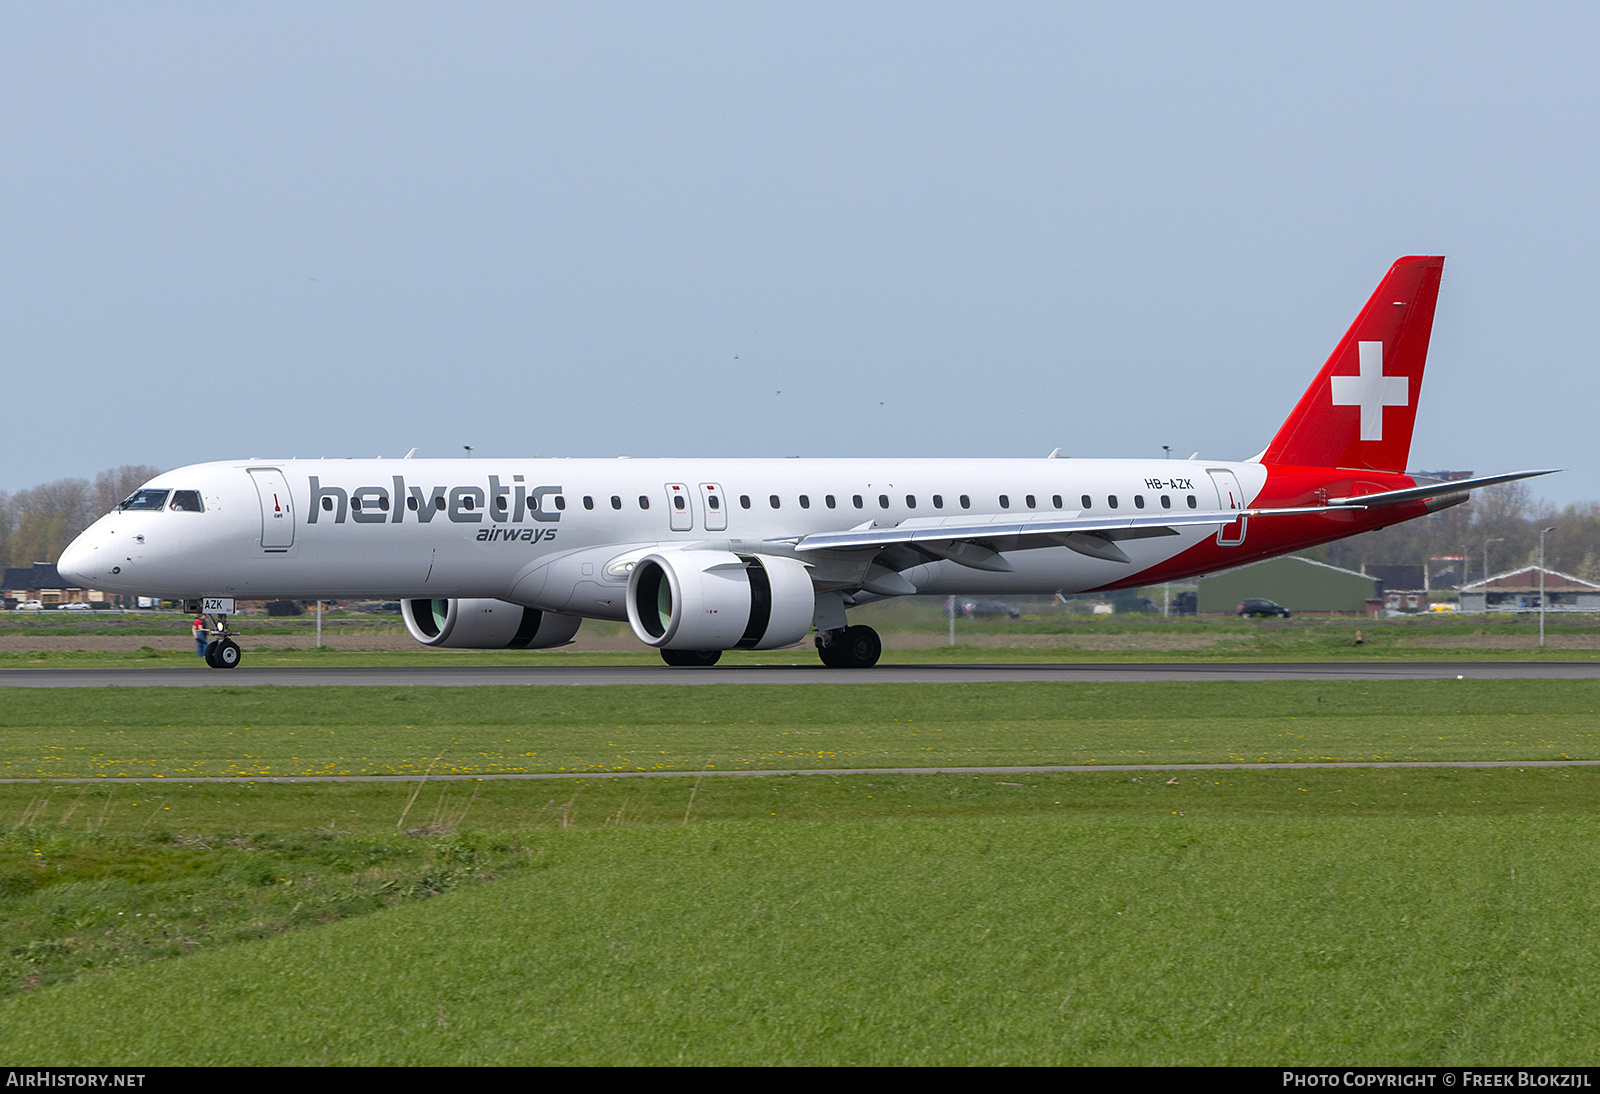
x=187, y=501
x=145, y=499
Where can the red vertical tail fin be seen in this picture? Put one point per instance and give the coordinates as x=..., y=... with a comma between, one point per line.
x=1359, y=411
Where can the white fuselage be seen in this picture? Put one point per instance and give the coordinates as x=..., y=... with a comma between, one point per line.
x=558, y=534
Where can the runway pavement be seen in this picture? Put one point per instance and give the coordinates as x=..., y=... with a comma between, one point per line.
x=804, y=673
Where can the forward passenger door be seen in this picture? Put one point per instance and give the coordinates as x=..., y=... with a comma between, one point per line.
x=713, y=513
x=680, y=516
x=277, y=516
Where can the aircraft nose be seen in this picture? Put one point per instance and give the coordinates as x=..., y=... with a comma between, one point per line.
x=76, y=563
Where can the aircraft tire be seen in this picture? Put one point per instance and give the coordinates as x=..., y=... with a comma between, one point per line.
x=831, y=653
x=861, y=648
x=228, y=654
x=691, y=658
x=211, y=654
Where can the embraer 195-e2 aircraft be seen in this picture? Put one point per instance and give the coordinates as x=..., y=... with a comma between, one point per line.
x=701, y=556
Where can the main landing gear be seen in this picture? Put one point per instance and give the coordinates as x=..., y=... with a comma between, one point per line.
x=855, y=647
x=846, y=648
x=691, y=658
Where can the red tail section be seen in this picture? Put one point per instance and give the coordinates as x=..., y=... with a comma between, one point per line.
x=1359, y=411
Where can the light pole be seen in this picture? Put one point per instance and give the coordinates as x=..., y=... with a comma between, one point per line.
x=1542, y=531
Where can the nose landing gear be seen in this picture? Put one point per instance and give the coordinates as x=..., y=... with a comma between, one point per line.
x=222, y=652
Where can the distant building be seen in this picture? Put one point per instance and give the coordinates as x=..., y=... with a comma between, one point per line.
x=41, y=582
x=1299, y=584
x=1518, y=590
x=1405, y=588
x=1445, y=572
x=1424, y=477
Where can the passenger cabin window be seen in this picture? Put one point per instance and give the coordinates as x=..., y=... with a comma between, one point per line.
x=561, y=502
x=966, y=502
x=883, y=501
x=499, y=503
x=1192, y=504
x=644, y=501
x=588, y=502
x=938, y=501
x=1112, y=501
x=1030, y=501
x=411, y=504
x=1005, y=501
x=805, y=501
x=774, y=501
x=911, y=501
x=616, y=502
x=1055, y=499
x=152, y=499
x=187, y=501
x=828, y=500
x=744, y=501
x=714, y=502
x=327, y=503
x=1138, y=501
x=1166, y=502
x=438, y=503
x=678, y=503
x=1087, y=504
x=856, y=499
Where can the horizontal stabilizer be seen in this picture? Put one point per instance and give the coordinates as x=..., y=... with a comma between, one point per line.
x=1433, y=490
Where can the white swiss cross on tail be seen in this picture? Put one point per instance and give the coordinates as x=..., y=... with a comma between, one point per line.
x=1371, y=391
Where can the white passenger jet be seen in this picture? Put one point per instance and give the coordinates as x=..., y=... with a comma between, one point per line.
x=701, y=556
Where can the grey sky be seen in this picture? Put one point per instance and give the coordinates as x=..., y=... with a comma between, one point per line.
x=584, y=229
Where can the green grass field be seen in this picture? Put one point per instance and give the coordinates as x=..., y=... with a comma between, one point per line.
x=1306, y=916
x=1440, y=917
x=264, y=731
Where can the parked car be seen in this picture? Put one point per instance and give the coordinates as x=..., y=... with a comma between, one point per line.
x=1256, y=605
x=29, y=606
x=77, y=606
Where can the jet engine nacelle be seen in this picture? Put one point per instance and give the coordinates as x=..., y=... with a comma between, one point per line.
x=486, y=625
x=716, y=600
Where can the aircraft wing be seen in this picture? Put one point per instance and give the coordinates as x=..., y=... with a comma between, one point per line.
x=977, y=540
x=1432, y=490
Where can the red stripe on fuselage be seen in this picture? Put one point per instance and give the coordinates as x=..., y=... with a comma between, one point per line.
x=1270, y=536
